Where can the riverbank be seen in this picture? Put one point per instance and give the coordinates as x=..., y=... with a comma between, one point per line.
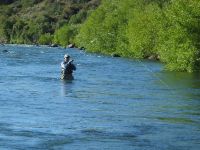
x=165, y=30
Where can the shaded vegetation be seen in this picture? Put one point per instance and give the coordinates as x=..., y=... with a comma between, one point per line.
x=36, y=21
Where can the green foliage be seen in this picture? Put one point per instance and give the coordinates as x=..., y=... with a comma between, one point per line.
x=178, y=44
x=3, y=38
x=143, y=30
x=45, y=39
x=16, y=32
x=102, y=31
x=65, y=35
x=88, y=37
x=176, y=49
x=78, y=18
x=28, y=21
x=167, y=29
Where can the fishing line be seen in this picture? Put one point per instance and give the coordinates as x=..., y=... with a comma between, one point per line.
x=149, y=70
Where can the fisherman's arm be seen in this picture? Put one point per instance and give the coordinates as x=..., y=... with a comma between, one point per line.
x=63, y=65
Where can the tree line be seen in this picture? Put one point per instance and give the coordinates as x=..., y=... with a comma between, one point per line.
x=42, y=21
x=168, y=30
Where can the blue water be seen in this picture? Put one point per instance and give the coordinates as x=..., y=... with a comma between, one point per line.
x=113, y=103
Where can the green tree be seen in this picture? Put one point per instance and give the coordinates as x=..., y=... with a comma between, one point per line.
x=65, y=35
x=143, y=27
x=46, y=39
x=104, y=30
x=179, y=40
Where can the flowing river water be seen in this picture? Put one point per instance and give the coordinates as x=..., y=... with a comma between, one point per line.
x=113, y=103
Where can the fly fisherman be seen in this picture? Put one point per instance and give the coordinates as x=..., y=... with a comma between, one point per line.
x=67, y=67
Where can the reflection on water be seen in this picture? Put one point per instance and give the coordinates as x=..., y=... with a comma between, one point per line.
x=113, y=103
x=185, y=85
x=181, y=80
x=66, y=87
x=178, y=120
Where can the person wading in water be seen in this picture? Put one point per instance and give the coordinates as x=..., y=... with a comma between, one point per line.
x=67, y=67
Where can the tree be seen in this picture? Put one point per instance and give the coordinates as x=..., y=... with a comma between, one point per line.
x=179, y=40
x=65, y=35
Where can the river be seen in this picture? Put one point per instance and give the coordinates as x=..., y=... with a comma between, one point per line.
x=113, y=103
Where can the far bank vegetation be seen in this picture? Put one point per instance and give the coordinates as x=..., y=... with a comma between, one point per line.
x=168, y=30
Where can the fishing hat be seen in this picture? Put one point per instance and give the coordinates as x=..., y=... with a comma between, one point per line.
x=66, y=56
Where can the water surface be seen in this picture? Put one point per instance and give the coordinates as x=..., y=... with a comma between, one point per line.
x=113, y=103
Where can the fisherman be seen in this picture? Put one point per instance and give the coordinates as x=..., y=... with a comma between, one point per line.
x=67, y=67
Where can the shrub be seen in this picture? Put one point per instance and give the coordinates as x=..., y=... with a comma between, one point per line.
x=65, y=35
x=45, y=39
x=178, y=41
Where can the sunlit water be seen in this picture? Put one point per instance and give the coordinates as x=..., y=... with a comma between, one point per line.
x=113, y=103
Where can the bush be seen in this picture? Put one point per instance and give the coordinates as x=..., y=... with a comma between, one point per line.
x=104, y=30
x=178, y=43
x=78, y=18
x=46, y=39
x=143, y=28
x=65, y=35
